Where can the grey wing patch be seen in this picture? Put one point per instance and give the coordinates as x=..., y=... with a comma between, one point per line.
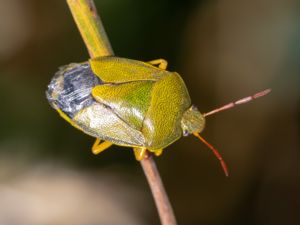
x=100, y=121
x=70, y=88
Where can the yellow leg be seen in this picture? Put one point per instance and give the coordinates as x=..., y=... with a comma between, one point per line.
x=158, y=152
x=100, y=147
x=162, y=64
x=139, y=153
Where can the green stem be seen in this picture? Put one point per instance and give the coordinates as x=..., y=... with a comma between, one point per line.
x=90, y=27
x=92, y=31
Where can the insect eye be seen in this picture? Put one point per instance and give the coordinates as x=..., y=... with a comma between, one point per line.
x=194, y=107
x=185, y=133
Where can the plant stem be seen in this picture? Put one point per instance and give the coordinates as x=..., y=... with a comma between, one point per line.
x=162, y=202
x=90, y=27
x=92, y=31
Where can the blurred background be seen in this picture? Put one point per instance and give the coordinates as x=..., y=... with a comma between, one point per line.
x=224, y=50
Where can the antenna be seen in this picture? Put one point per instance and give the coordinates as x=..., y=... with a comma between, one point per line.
x=216, y=153
x=238, y=102
x=222, y=108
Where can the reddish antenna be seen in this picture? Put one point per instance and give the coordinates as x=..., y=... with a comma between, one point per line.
x=222, y=108
x=238, y=102
x=216, y=153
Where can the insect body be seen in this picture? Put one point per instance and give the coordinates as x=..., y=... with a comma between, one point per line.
x=128, y=103
x=125, y=102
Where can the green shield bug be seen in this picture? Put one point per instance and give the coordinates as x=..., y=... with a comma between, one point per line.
x=129, y=103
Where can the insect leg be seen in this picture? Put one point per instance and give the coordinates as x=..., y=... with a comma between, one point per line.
x=139, y=153
x=158, y=152
x=100, y=147
x=162, y=64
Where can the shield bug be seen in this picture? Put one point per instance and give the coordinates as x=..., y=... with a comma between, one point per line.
x=129, y=103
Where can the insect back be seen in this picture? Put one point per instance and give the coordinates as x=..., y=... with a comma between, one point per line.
x=70, y=89
x=123, y=101
x=70, y=93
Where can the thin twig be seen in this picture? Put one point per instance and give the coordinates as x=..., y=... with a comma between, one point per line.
x=92, y=31
x=90, y=27
x=162, y=202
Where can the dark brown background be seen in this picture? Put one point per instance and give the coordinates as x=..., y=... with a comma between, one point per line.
x=224, y=50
